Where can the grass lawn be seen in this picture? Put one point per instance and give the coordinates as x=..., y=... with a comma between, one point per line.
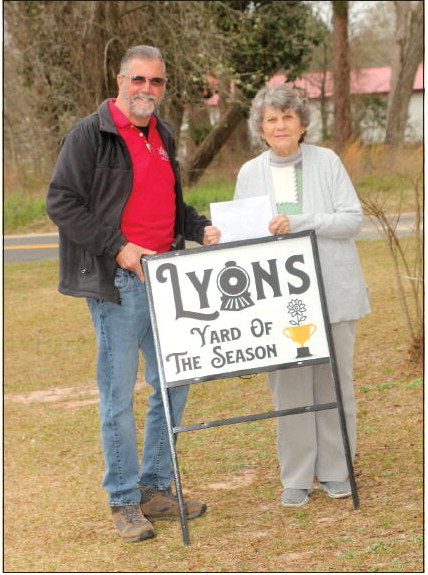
x=56, y=517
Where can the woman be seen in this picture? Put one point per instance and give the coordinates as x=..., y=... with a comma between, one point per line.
x=310, y=189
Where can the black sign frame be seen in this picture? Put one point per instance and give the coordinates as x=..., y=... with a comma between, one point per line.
x=172, y=260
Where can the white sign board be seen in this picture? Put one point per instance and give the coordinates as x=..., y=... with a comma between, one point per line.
x=237, y=308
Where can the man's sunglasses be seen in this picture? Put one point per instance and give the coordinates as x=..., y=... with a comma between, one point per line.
x=141, y=80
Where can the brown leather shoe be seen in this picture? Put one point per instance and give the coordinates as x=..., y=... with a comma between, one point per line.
x=131, y=523
x=159, y=504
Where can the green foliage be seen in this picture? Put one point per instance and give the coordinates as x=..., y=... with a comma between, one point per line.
x=384, y=182
x=20, y=212
x=277, y=37
x=23, y=213
x=215, y=190
x=198, y=130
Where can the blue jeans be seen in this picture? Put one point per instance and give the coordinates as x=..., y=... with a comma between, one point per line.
x=122, y=330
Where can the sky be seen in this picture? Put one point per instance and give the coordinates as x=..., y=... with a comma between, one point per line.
x=358, y=9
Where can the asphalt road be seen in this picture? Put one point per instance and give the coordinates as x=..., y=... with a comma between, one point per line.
x=30, y=247
x=34, y=247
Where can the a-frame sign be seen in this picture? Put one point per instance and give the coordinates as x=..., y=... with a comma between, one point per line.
x=240, y=308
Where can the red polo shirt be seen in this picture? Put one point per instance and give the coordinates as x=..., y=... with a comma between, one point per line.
x=148, y=218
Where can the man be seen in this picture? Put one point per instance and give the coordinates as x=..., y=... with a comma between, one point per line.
x=115, y=195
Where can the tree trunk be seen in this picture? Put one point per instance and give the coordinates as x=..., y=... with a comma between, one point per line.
x=408, y=54
x=341, y=73
x=173, y=109
x=325, y=132
x=212, y=144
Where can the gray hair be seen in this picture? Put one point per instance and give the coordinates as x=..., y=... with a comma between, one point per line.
x=143, y=52
x=277, y=96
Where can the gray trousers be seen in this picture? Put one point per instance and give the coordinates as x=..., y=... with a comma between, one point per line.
x=310, y=445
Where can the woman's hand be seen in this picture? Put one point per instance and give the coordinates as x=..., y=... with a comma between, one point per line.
x=280, y=224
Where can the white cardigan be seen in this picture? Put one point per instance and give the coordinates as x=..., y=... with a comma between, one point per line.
x=331, y=208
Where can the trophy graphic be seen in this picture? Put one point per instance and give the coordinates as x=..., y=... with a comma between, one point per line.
x=298, y=331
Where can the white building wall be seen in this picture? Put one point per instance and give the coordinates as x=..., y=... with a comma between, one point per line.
x=370, y=134
x=415, y=123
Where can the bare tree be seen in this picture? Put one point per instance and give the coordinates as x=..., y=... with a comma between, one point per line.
x=66, y=56
x=63, y=57
x=371, y=34
x=407, y=56
x=341, y=73
x=408, y=264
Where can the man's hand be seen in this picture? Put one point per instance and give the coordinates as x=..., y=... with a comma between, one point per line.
x=280, y=224
x=129, y=258
x=211, y=235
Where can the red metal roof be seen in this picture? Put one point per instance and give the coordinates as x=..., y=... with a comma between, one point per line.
x=363, y=81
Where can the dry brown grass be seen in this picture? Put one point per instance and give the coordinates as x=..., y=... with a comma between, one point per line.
x=55, y=513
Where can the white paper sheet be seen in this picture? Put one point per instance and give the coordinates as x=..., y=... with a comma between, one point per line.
x=242, y=219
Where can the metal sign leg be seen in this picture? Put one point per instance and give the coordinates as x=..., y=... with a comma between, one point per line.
x=174, y=460
x=343, y=427
x=335, y=374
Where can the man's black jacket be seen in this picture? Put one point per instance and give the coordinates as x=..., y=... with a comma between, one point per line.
x=90, y=185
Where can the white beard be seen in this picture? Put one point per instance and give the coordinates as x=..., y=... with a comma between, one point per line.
x=142, y=108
